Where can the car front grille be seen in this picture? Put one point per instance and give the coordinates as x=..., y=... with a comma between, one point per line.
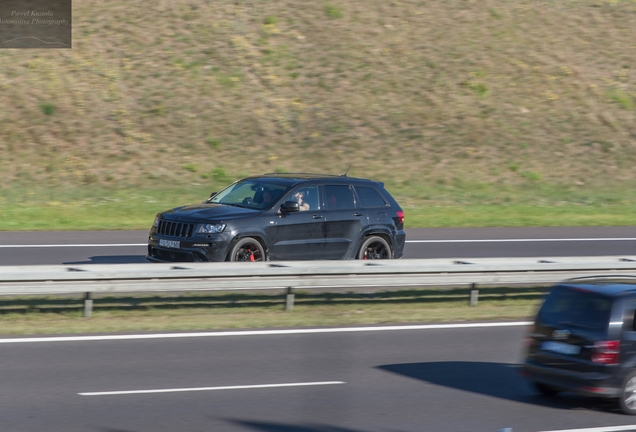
x=175, y=229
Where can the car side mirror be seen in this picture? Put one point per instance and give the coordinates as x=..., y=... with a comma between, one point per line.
x=290, y=207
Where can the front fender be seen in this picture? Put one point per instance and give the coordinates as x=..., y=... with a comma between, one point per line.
x=251, y=232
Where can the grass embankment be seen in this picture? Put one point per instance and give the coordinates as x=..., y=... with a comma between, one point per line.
x=95, y=209
x=472, y=112
x=197, y=311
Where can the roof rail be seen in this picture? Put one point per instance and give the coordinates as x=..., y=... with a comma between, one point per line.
x=631, y=278
x=301, y=173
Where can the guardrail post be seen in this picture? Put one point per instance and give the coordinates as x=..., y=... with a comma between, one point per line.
x=289, y=302
x=88, y=305
x=474, y=295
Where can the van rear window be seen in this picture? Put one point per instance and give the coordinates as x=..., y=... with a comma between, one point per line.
x=575, y=308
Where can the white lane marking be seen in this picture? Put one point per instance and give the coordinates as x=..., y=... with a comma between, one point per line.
x=258, y=386
x=599, y=429
x=524, y=240
x=74, y=245
x=407, y=241
x=262, y=332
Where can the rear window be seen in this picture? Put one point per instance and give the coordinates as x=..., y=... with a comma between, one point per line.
x=575, y=308
x=370, y=197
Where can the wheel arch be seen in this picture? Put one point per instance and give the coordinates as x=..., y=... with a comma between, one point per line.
x=256, y=235
x=379, y=232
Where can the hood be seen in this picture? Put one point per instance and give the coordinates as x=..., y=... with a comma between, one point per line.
x=200, y=213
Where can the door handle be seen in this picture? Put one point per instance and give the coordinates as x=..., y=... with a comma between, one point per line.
x=316, y=216
x=357, y=214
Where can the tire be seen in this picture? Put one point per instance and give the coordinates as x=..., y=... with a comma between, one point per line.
x=375, y=247
x=545, y=389
x=247, y=249
x=627, y=399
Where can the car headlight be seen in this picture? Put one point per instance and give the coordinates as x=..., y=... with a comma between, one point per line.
x=211, y=228
x=156, y=223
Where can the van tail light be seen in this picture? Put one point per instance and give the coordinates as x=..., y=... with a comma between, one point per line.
x=530, y=341
x=400, y=216
x=606, y=352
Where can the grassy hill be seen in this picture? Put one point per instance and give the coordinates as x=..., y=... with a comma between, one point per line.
x=454, y=102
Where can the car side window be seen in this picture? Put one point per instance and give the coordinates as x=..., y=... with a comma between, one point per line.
x=338, y=197
x=369, y=197
x=309, y=197
x=629, y=313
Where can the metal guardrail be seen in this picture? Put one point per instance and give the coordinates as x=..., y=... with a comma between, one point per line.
x=90, y=279
x=111, y=278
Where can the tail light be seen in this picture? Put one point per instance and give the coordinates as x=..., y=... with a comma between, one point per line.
x=400, y=216
x=530, y=340
x=606, y=352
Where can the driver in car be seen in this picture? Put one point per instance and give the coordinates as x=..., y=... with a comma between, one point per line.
x=298, y=197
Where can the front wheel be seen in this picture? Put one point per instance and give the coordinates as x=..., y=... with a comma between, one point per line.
x=627, y=399
x=375, y=248
x=247, y=249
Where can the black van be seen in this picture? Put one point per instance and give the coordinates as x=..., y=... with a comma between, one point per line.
x=584, y=340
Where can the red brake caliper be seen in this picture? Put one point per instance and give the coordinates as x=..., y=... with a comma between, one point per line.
x=251, y=255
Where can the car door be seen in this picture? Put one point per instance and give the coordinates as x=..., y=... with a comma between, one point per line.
x=374, y=205
x=345, y=221
x=298, y=235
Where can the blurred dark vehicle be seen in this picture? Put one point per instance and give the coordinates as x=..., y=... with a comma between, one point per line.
x=584, y=340
x=260, y=218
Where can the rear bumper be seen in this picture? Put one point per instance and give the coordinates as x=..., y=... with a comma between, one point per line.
x=400, y=241
x=584, y=383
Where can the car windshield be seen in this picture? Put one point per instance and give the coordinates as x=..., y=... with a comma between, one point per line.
x=576, y=308
x=253, y=194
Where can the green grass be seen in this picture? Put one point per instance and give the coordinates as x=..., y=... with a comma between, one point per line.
x=203, y=311
x=92, y=208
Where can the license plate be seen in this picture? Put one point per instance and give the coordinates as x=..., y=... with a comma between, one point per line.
x=173, y=244
x=560, y=347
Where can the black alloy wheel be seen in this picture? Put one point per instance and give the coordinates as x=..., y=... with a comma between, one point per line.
x=375, y=247
x=247, y=249
x=627, y=399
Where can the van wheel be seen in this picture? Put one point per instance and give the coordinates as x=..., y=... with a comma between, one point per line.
x=247, y=249
x=545, y=389
x=375, y=248
x=627, y=399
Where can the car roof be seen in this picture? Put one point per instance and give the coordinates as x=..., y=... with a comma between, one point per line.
x=606, y=285
x=302, y=177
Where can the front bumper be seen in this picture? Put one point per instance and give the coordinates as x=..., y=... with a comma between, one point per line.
x=596, y=384
x=206, y=249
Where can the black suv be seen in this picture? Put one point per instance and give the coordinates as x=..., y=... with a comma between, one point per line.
x=283, y=217
x=584, y=340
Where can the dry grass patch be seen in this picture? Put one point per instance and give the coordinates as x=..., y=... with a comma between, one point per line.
x=410, y=92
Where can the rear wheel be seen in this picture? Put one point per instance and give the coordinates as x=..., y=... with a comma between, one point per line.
x=545, y=389
x=627, y=399
x=247, y=249
x=375, y=248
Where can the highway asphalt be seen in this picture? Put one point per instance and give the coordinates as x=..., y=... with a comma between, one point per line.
x=86, y=247
x=409, y=380
x=422, y=379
